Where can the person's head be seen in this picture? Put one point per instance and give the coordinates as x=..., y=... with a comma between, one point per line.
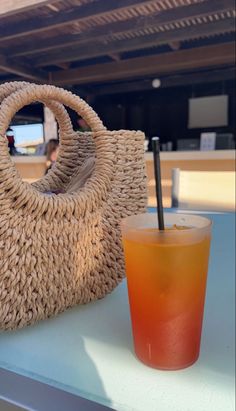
x=82, y=124
x=52, y=150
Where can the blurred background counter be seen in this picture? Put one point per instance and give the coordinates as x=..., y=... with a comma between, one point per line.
x=218, y=160
x=32, y=168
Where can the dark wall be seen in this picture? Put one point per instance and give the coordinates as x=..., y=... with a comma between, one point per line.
x=162, y=112
x=29, y=115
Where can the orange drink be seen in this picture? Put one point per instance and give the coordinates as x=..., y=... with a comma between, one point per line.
x=166, y=274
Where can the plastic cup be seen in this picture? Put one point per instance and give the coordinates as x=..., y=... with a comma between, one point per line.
x=167, y=274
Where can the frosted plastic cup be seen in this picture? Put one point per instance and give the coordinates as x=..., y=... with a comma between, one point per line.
x=167, y=274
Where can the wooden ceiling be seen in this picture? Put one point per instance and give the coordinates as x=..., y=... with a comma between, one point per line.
x=95, y=43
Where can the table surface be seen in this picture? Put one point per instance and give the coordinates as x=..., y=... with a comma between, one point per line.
x=88, y=350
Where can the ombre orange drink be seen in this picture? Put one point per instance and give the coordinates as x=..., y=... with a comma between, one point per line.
x=167, y=274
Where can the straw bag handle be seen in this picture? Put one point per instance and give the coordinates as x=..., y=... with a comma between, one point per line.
x=58, y=110
x=52, y=179
x=96, y=188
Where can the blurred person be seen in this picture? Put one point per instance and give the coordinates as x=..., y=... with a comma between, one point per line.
x=41, y=149
x=52, y=148
x=11, y=142
x=83, y=126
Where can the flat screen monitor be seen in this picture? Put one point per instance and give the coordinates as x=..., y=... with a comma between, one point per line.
x=207, y=112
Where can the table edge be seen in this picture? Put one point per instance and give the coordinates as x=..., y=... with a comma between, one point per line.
x=31, y=394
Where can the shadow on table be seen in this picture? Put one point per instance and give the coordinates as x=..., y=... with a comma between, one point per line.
x=55, y=355
x=218, y=343
x=62, y=351
x=219, y=323
x=217, y=356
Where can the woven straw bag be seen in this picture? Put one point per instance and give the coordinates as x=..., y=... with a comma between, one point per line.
x=59, y=250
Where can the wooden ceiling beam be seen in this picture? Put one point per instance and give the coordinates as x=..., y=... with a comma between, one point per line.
x=170, y=81
x=95, y=49
x=99, y=32
x=165, y=63
x=36, y=25
x=114, y=56
x=9, y=7
x=11, y=66
x=64, y=66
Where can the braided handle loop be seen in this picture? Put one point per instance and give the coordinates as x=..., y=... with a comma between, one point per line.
x=98, y=185
x=68, y=137
x=34, y=92
x=58, y=110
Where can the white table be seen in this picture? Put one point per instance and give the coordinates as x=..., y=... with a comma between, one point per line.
x=88, y=351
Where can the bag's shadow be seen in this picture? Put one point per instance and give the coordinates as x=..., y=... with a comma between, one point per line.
x=69, y=351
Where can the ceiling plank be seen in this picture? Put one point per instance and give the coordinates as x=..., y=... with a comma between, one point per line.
x=10, y=66
x=64, y=66
x=176, y=61
x=169, y=81
x=9, y=7
x=99, y=32
x=114, y=56
x=37, y=25
x=95, y=49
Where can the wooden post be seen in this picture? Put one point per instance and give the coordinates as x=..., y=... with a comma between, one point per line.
x=50, y=125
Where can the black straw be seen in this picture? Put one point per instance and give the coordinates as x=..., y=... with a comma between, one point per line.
x=157, y=171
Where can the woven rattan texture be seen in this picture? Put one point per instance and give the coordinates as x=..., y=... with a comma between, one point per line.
x=57, y=251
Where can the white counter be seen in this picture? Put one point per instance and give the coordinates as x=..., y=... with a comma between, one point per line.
x=165, y=155
x=31, y=168
x=29, y=159
x=194, y=155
